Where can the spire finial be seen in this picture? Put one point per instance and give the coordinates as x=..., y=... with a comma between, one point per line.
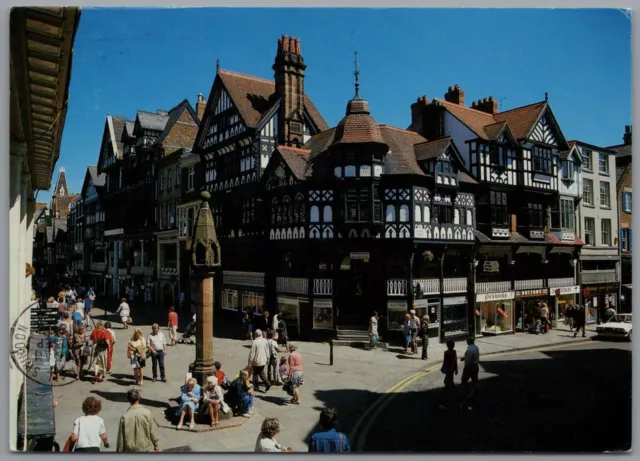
x=546, y=96
x=217, y=66
x=356, y=73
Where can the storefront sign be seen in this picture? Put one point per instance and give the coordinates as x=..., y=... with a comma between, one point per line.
x=532, y=293
x=397, y=305
x=322, y=314
x=454, y=301
x=421, y=303
x=491, y=266
x=111, y=232
x=484, y=297
x=574, y=290
x=360, y=255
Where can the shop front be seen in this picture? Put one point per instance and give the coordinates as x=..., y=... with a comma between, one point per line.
x=455, y=318
x=495, y=313
x=322, y=314
x=529, y=304
x=431, y=308
x=396, y=310
x=562, y=298
x=598, y=298
x=289, y=309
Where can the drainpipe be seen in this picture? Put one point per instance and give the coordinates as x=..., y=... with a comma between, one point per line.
x=619, y=263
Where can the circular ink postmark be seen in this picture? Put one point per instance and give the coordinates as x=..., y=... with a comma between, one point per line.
x=30, y=350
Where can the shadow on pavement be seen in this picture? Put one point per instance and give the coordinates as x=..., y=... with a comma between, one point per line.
x=122, y=397
x=280, y=401
x=569, y=401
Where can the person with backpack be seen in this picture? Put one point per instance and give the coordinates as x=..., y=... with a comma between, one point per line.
x=424, y=334
x=330, y=440
x=101, y=339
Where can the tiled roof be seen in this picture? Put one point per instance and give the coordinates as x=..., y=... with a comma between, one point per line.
x=174, y=115
x=118, y=129
x=619, y=172
x=98, y=180
x=476, y=120
x=318, y=146
x=129, y=125
x=465, y=177
x=296, y=159
x=522, y=120
x=358, y=126
x=493, y=131
x=151, y=121
x=402, y=158
x=254, y=97
x=622, y=150
x=49, y=233
x=431, y=149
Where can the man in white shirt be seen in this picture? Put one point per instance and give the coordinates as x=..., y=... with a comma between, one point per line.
x=125, y=312
x=157, y=345
x=471, y=369
x=258, y=359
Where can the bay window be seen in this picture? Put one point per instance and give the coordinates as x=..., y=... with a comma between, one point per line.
x=542, y=160
x=566, y=214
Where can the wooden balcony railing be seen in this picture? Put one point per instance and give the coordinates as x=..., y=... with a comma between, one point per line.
x=601, y=276
x=561, y=282
x=397, y=287
x=493, y=287
x=429, y=286
x=529, y=284
x=248, y=279
x=455, y=285
x=322, y=286
x=292, y=285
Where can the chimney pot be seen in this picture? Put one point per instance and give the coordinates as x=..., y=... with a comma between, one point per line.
x=455, y=95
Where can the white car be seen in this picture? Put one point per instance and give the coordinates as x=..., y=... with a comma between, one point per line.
x=619, y=326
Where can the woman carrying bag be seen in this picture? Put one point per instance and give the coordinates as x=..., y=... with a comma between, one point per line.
x=88, y=430
x=136, y=353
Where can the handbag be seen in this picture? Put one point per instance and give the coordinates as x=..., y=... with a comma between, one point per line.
x=70, y=445
x=288, y=387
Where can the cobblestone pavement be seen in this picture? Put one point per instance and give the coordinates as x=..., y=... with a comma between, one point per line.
x=325, y=385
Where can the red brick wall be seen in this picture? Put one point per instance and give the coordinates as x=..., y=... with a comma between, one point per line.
x=624, y=185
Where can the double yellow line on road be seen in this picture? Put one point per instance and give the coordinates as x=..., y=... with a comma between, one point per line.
x=371, y=414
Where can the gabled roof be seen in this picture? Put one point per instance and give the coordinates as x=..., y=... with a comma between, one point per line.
x=296, y=159
x=129, y=125
x=255, y=96
x=522, y=120
x=401, y=158
x=118, y=124
x=622, y=150
x=151, y=121
x=98, y=180
x=432, y=149
x=174, y=115
x=494, y=131
x=474, y=119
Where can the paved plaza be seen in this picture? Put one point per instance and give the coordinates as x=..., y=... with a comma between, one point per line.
x=353, y=369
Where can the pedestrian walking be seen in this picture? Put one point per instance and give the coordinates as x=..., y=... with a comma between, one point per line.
x=373, y=331
x=272, y=372
x=107, y=326
x=424, y=334
x=449, y=368
x=89, y=432
x=137, y=429
x=125, y=313
x=258, y=360
x=406, y=332
x=173, y=325
x=266, y=442
x=136, y=353
x=88, y=304
x=78, y=314
x=189, y=402
x=59, y=348
x=580, y=321
x=414, y=327
x=330, y=440
x=79, y=350
x=283, y=334
x=248, y=325
x=568, y=315
x=157, y=345
x=295, y=372
x=470, y=371
x=101, y=340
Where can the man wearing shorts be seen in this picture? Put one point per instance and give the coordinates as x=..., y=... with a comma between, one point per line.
x=471, y=361
x=173, y=325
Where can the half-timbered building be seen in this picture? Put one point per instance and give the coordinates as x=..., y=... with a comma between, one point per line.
x=328, y=225
x=521, y=232
x=95, y=256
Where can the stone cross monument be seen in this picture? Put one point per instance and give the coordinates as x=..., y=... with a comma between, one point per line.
x=205, y=258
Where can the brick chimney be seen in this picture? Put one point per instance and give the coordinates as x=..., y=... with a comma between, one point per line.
x=416, y=108
x=627, y=135
x=455, y=95
x=289, y=70
x=488, y=105
x=201, y=105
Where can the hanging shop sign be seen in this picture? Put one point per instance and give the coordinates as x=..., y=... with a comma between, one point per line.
x=360, y=255
x=574, y=290
x=484, y=297
x=532, y=293
x=111, y=232
x=491, y=266
x=397, y=305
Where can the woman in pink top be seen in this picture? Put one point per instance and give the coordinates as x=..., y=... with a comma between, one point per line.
x=295, y=372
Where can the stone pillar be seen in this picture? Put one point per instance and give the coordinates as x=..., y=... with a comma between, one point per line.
x=203, y=366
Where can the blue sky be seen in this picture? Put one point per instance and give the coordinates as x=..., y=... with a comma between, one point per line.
x=148, y=59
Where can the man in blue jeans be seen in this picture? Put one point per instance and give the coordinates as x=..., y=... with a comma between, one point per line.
x=157, y=345
x=330, y=441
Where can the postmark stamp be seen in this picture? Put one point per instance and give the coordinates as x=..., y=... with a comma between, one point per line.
x=31, y=350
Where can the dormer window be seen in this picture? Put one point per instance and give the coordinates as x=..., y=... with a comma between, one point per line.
x=567, y=170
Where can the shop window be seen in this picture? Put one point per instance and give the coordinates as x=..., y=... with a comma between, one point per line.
x=454, y=317
x=230, y=299
x=253, y=302
x=496, y=317
x=396, y=311
x=290, y=312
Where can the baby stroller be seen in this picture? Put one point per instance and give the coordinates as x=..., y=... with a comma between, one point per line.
x=188, y=337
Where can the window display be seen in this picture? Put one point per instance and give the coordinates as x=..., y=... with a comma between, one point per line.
x=454, y=317
x=497, y=317
x=430, y=307
x=396, y=311
x=290, y=312
x=322, y=314
x=230, y=299
x=253, y=302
